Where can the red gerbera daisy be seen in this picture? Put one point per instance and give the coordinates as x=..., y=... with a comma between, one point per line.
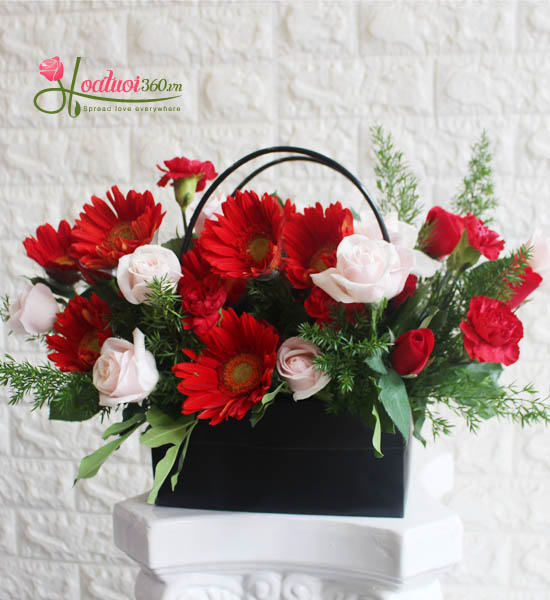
x=102, y=236
x=311, y=239
x=50, y=249
x=82, y=328
x=246, y=241
x=234, y=370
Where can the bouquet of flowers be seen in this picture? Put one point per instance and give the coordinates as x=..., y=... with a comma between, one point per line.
x=388, y=323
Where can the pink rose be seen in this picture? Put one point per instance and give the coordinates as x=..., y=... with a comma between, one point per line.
x=51, y=68
x=209, y=212
x=295, y=366
x=34, y=312
x=402, y=235
x=135, y=271
x=366, y=270
x=124, y=372
x=540, y=258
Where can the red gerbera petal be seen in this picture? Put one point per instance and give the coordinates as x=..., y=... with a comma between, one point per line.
x=50, y=249
x=81, y=330
x=246, y=241
x=311, y=239
x=233, y=372
x=102, y=236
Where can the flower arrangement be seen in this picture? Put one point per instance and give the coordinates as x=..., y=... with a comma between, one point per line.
x=272, y=300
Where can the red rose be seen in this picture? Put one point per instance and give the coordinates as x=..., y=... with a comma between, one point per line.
x=412, y=350
x=51, y=68
x=408, y=291
x=482, y=238
x=180, y=168
x=491, y=331
x=446, y=229
x=530, y=281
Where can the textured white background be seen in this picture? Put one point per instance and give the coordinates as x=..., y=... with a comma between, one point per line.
x=255, y=74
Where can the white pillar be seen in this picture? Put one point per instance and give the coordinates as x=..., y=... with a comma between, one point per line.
x=187, y=554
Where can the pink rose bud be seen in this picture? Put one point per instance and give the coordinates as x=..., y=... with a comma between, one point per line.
x=295, y=366
x=124, y=372
x=51, y=68
x=35, y=311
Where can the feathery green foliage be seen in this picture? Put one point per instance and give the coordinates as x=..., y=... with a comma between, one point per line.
x=70, y=396
x=395, y=181
x=477, y=196
x=5, y=308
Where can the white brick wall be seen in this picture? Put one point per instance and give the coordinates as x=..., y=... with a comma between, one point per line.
x=258, y=73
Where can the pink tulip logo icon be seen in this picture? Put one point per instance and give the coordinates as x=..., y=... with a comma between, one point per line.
x=51, y=68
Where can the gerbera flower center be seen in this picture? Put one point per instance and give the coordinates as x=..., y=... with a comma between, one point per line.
x=242, y=373
x=89, y=342
x=122, y=230
x=316, y=262
x=258, y=247
x=64, y=260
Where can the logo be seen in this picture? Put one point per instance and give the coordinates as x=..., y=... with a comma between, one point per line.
x=52, y=69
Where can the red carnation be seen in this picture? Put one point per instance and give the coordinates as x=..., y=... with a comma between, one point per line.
x=311, y=240
x=530, y=281
x=482, y=238
x=446, y=231
x=233, y=372
x=81, y=330
x=181, y=168
x=412, y=350
x=408, y=291
x=246, y=241
x=50, y=249
x=102, y=236
x=491, y=331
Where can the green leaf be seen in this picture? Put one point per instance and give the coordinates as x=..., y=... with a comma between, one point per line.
x=123, y=426
x=73, y=409
x=484, y=370
x=91, y=464
x=259, y=410
x=426, y=322
x=394, y=398
x=375, y=363
x=162, y=470
x=158, y=418
x=167, y=434
x=175, y=244
x=175, y=476
x=377, y=433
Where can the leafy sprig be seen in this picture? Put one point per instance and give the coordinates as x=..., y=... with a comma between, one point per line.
x=71, y=396
x=395, y=181
x=5, y=308
x=477, y=195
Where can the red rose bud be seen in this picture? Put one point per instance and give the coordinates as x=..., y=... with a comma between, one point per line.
x=408, y=291
x=412, y=350
x=446, y=229
x=491, y=331
x=482, y=238
x=530, y=281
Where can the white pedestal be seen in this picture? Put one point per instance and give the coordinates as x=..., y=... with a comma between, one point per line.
x=212, y=555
